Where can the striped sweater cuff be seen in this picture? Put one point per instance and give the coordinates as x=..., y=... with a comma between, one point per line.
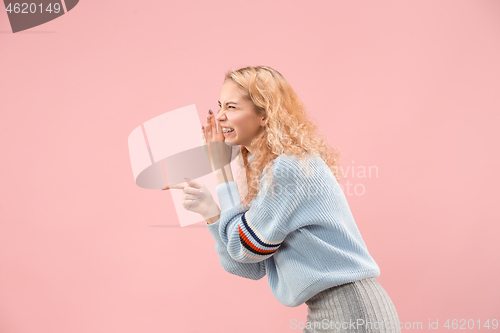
x=228, y=195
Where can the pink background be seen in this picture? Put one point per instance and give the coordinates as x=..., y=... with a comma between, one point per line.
x=408, y=87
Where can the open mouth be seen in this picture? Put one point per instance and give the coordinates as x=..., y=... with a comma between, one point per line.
x=227, y=131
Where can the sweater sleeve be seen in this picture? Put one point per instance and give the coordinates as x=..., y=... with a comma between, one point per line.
x=229, y=200
x=253, y=271
x=255, y=234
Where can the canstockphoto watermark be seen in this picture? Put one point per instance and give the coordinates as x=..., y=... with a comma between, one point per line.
x=283, y=183
x=326, y=324
x=354, y=185
x=307, y=190
x=25, y=15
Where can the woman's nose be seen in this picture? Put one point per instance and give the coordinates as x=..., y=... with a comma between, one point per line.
x=220, y=116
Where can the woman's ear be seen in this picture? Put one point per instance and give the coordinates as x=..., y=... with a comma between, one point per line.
x=263, y=121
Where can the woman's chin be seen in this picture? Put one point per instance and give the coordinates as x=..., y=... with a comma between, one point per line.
x=233, y=142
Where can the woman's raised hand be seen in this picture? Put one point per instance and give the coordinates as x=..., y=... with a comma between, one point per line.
x=216, y=149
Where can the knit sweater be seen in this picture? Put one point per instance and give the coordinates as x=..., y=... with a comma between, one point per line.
x=303, y=236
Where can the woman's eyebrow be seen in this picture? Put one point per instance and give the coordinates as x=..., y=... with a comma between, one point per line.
x=228, y=102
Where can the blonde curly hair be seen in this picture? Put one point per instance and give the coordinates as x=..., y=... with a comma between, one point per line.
x=288, y=129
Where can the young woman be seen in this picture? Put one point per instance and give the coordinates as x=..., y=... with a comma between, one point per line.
x=295, y=224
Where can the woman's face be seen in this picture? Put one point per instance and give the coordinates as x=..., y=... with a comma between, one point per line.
x=238, y=113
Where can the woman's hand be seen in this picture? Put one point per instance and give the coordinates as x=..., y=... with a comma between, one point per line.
x=216, y=149
x=196, y=198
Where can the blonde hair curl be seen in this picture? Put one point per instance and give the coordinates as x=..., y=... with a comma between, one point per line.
x=288, y=129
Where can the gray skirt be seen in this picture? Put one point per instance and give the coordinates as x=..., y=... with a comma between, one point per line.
x=360, y=306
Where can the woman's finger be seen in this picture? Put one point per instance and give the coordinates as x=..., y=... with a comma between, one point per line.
x=208, y=125
x=219, y=130
x=194, y=196
x=212, y=123
x=203, y=137
x=193, y=183
x=179, y=186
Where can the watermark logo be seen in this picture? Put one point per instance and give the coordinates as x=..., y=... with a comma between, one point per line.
x=354, y=184
x=26, y=15
x=338, y=326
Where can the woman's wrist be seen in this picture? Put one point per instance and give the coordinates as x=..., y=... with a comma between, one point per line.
x=213, y=214
x=213, y=219
x=223, y=175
